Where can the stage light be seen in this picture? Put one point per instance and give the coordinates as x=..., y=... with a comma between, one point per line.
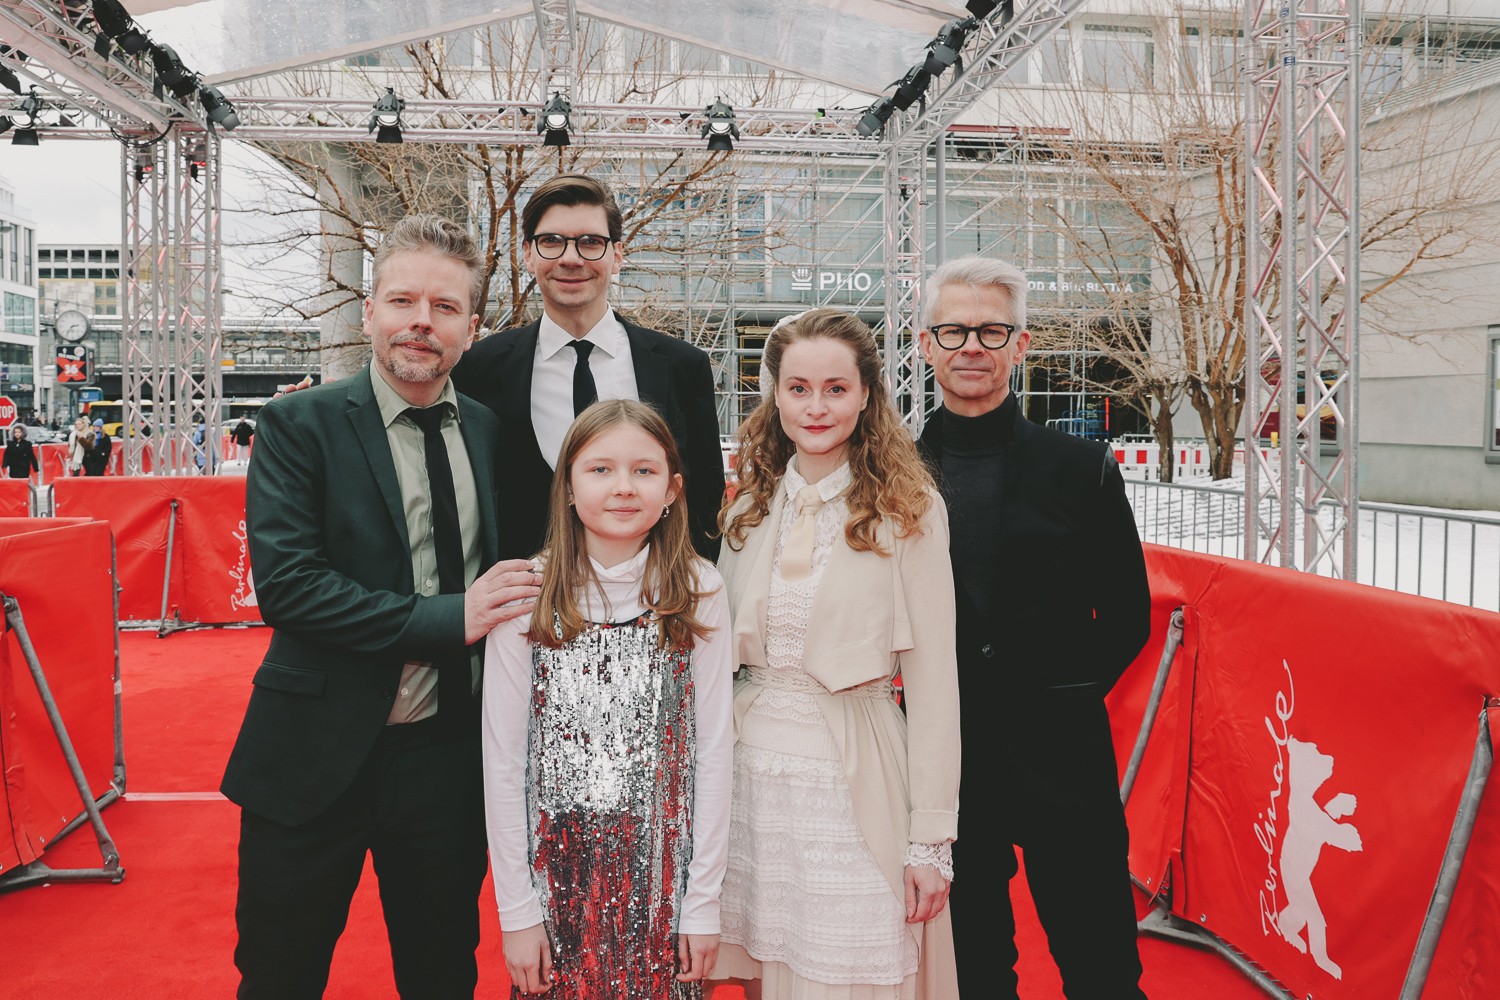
x=385, y=122
x=719, y=130
x=134, y=41
x=220, y=111
x=911, y=87
x=982, y=8
x=31, y=110
x=114, y=20
x=943, y=50
x=9, y=80
x=171, y=73
x=197, y=158
x=145, y=163
x=876, y=115
x=4, y=124
x=554, y=122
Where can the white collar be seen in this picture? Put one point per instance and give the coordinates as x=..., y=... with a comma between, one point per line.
x=608, y=335
x=829, y=486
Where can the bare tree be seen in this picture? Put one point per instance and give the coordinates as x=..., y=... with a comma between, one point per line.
x=1159, y=129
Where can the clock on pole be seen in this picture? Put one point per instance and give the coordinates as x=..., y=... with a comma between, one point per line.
x=72, y=325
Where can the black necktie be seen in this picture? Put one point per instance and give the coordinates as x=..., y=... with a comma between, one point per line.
x=455, y=681
x=584, y=390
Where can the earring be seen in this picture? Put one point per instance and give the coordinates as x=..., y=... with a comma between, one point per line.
x=666, y=509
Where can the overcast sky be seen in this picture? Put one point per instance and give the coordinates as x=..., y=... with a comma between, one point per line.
x=71, y=189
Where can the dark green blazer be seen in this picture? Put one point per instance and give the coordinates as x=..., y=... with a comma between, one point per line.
x=333, y=575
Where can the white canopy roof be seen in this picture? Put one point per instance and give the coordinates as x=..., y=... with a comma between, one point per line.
x=860, y=45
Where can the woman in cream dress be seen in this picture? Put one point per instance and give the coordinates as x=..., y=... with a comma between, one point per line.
x=845, y=798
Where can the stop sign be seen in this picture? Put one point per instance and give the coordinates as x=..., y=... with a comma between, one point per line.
x=7, y=411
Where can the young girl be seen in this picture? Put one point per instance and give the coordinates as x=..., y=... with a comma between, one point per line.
x=608, y=732
x=836, y=562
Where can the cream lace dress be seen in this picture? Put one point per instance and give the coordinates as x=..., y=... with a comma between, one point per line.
x=803, y=895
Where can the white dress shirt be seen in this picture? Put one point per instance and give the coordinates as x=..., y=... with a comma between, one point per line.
x=552, y=377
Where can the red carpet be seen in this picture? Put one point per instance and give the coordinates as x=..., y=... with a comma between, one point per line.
x=167, y=931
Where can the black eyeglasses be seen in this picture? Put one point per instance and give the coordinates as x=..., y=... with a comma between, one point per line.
x=993, y=336
x=553, y=245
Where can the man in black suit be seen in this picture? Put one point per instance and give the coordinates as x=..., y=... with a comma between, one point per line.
x=1053, y=605
x=538, y=377
x=370, y=507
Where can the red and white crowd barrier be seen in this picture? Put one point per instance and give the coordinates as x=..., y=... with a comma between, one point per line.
x=1300, y=785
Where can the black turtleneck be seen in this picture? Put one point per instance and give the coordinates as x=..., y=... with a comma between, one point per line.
x=973, y=466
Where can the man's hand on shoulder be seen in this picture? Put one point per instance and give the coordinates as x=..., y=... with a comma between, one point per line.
x=506, y=590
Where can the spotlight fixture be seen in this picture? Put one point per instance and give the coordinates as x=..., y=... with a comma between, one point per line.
x=4, y=124
x=171, y=73
x=876, y=115
x=943, y=50
x=31, y=110
x=982, y=8
x=220, y=111
x=554, y=123
x=912, y=86
x=385, y=122
x=114, y=20
x=134, y=41
x=720, y=129
x=9, y=80
x=197, y=158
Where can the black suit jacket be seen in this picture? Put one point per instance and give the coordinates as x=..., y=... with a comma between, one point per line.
x=670, y=374
x=332, y=568
x=1076, y=606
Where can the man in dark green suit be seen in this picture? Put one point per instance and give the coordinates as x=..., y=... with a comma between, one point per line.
x=373, y=535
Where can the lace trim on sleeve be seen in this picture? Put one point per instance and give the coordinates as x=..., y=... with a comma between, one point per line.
x=939, y=856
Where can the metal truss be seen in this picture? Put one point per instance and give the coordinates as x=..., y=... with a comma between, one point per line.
x=197, y=372
x=906, y=268
x=762, y=130
x=557, y=32
x=1302, y=311
x=60, y=56
x=144, y=302
x=1003, y=46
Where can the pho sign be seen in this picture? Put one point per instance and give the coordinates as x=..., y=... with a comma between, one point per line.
x=8, y=411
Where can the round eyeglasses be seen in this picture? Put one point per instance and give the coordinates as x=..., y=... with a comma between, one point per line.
x=992, y=336
x=553, y=245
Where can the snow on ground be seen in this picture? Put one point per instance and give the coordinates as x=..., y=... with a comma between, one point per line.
x=1451, y=555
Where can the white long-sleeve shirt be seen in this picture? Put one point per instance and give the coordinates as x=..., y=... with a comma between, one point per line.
x=507, y=707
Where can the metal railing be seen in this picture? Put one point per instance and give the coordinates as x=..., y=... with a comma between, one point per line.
x=1447, y=555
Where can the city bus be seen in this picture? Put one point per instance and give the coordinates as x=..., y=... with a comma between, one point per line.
x=112, y=412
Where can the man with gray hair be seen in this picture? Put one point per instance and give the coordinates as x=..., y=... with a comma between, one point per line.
x=371, y=515
x=1053, y=605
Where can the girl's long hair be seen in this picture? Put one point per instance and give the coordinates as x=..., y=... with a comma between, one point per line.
x=670, y=584
x=890, y=480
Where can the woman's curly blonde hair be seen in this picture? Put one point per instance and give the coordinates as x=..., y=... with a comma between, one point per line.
x=890, y=480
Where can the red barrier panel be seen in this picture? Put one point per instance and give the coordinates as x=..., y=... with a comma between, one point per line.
x=54, y=461
x=67, y=618
x=1301, y=782
x=15, y=498
x=210, y=560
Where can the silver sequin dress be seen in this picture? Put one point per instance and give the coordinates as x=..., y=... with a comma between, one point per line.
x=607, y=776
x=610, y=795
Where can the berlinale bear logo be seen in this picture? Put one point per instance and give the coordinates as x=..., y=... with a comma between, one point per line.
x=1309, y=827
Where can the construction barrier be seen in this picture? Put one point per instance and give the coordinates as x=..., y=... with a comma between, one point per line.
x=58, y=574
x=1304, y=772
x=192, y=525
x=1141, y=459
